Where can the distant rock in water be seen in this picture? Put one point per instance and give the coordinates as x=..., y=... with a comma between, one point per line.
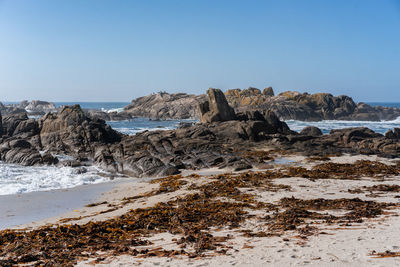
x=35, y=108
x=165, y=106
x=290, y=105
x=38, y=107
x=108, y=116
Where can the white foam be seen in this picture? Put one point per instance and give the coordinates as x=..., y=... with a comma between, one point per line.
x=328, y=125
x=133, y=131
x=16, y=179
x=118, y=110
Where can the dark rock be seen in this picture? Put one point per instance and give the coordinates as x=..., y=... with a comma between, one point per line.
x=216, y=108
x=268, y=91
x=311, y=131
x=1, y=124
x=395, y=134
x=276, y=123
x=108, y=116
x=185, y=125
x=72, y=131
x=11, y=122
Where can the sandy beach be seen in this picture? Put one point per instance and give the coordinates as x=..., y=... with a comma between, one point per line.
x=329, y=244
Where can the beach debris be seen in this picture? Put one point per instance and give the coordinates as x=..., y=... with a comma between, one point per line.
x=386, y=254
x=219, y=202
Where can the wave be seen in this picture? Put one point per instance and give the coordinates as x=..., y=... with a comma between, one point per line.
x=111, y=110
x=327, y=125
x=16, y=179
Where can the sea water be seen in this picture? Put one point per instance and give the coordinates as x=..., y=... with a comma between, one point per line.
x=16, y=179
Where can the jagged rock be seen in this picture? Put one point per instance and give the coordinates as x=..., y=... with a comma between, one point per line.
x=165, y=106
x=216, y=108
x=38, y=107
x=395, y=134
x=289, y=105
x=11, y=122
x=358, y=140
x=108, y=116
x=72, y=131
x=35, y=107
x=20, y=151
x=311, y=131
x=268, y=91
x=274, y=121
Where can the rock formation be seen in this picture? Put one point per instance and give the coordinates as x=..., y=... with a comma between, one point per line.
x=311, y=131
x=165, y=106
x=216, y=108
x=268, y=91
x=289, y=105
x=35, y=108
x=38, y=107
x=395, y=134
x=108, y=116
x=222, y=140
x=70, y=130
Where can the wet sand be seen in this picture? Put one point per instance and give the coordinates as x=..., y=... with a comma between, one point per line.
x=23, y=209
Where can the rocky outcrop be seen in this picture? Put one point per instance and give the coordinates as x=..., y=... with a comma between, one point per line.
x=10, y=109
x=34, y=108
x=165, y=106
x=393, y=134
x=108, y=116
x=289, y=105
x=268, y=91
x=155, y=153
x=359, y=140
x=71, y=131
x=243, y=100
x=220, y=142
x=216, y=108
x=38, y=107
x=68, y=132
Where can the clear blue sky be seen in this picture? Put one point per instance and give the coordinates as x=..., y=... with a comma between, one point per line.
x=118, y=50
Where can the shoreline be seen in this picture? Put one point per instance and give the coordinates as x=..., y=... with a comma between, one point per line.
x=29, y=209
x=251, y=243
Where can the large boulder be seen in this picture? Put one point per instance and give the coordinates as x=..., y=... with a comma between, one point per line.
x=10, y=122
x=72, y=131
x=20, y=151
x=311, y=131
x=216, y=108
x=276, y=123
x=393, y=134
x=268, y=91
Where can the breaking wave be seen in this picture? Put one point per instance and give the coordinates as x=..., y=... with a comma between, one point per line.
x=328, y=125
x=16, y=179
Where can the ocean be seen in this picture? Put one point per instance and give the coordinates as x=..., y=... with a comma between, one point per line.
x=15, y=179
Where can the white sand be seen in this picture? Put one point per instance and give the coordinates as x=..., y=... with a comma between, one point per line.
x=348, y=246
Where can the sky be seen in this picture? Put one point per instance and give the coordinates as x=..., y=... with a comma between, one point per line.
x=96, y=50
